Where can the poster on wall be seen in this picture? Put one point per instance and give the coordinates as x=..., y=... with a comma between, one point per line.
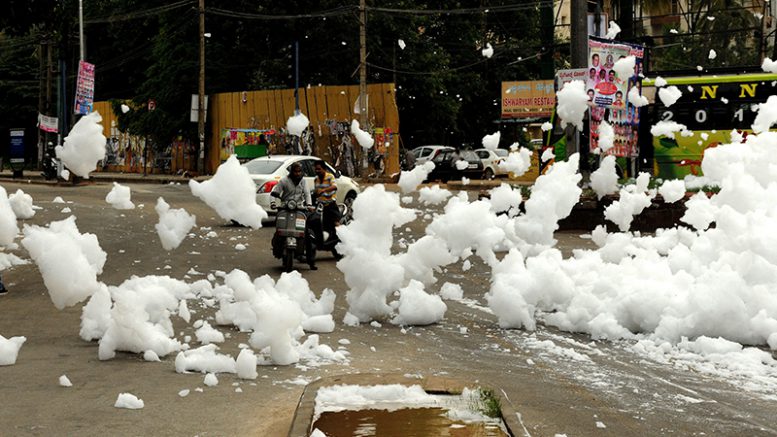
x=244, y=143
x=608, y=94
x=84, y=88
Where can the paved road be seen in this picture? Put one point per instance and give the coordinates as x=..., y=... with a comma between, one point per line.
x=555, y=392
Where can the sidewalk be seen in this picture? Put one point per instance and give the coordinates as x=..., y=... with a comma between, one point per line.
x=35, y=177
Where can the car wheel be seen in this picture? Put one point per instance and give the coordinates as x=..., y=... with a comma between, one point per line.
x=488, y=174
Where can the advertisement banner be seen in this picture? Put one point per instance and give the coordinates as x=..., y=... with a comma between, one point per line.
x=528, y=99
x=608, y=94
x=84, y=88
x=48, y=124
x=245, y=143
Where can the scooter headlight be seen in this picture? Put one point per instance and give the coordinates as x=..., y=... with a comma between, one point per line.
x=291, y=204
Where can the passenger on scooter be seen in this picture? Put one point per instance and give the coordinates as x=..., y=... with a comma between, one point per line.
x=326, y=195
x=292, y=187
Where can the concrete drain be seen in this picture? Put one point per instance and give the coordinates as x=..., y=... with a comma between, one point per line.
x=391, y=405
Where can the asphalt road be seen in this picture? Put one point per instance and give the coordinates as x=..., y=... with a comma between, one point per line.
x=553, y=393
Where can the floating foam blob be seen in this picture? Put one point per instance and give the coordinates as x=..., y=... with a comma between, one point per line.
x=232, y=194
x=84, y=146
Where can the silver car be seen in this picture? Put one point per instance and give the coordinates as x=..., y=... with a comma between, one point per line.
x=268, y=170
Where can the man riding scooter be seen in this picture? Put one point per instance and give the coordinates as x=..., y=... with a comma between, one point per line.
x=292, y=189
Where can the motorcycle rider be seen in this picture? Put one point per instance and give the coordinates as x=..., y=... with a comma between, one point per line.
x=292, y=187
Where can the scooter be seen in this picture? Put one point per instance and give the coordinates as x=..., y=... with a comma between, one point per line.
x=329, y=242
x=289, y=239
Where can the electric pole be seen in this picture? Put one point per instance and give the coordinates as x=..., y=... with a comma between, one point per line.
x=201, y=96
x=579, y=41
x=363, y=64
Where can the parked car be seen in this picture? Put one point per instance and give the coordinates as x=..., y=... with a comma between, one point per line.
x=445, y=167
x=491, y=160
x=268, y=170
x=426, y=153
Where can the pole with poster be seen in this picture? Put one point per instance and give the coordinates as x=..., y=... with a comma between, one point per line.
x=608, y=94
x=84, y=99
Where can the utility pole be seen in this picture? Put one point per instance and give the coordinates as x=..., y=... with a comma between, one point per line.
x=41, y=82
x=201, y=98
x=579, y=40
x=81, y=29
x=296, y=77
x=363, y=74
x=579, y=51
x=363, y=64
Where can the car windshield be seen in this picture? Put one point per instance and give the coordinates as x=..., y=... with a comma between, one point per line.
x=262, y=166
x=501, y=152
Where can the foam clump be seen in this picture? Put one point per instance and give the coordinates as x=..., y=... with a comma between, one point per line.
x=417, y=307
x=204, y=359
x=517, y=162
x=84, y=146
x=9, y=349
x=232, y=194
x=119, y=197
x=8, y=227
x=296, y=124
x=173, y=225
x=363, y=138
x=64, y=381
x=21, y=203
x=129, y=401
x=433, y=195
x=409, y=180
x=68, y=260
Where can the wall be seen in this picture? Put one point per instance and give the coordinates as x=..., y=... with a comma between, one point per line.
x=329, y=108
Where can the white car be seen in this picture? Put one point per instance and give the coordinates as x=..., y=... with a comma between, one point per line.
x=491, y=160
x=268, y=170
x=427, y=153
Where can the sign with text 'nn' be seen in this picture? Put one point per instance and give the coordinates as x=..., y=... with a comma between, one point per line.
x=528, y=99
x=84, y=88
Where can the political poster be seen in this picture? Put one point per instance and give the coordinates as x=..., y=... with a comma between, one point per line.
x=84, y=88
x=608, y=94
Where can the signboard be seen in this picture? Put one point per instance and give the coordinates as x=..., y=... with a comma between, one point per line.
x=195, y=109
x=84, y=88
x=528, y=99
x=710, y=107
x=244, y=143
x=609, y=94
x=48, y=124
x=16, y=151
x=564, y=76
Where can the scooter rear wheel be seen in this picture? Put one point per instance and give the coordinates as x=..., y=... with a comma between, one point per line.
x=288, y=260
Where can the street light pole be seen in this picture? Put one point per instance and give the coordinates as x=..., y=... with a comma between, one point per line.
x=81, y=28
x=201, y=98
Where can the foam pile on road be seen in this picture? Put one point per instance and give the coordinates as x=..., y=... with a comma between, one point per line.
x=119, y=197
x=433, y=195
x=173, y=225
x=371, y=271
x=9, y=349
x=8, y=227
x=84, y=146
x=21, y=203
x=232, y=194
